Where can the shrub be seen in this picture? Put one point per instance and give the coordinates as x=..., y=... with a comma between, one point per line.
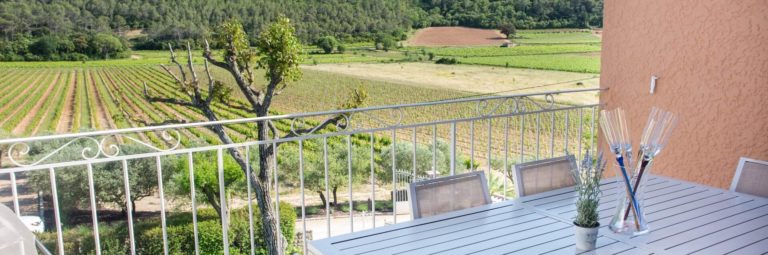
x=181, y=235
x=327, y=44
x=362, y=207
x=447, y=61
x=384, y=42
x=309, y=210
x=149, y=234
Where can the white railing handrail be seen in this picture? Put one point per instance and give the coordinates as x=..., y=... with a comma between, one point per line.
x=276, y=117
x=180, y=151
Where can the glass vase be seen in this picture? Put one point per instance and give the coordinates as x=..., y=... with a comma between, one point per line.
x=629, y=217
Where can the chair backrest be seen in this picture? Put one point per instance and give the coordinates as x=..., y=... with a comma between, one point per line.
x=751, y=177
x=447, y=194
x=543, y=175
x=17, y=238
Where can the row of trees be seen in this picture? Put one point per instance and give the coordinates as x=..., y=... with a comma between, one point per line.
x=73, y=47
x=24, y=22
x=526, y=14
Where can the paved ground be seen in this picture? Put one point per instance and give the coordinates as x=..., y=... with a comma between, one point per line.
x=341, y=224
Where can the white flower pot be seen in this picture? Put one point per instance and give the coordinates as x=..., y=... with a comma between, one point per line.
x=585, y=237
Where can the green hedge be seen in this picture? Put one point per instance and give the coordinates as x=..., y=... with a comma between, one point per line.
x=149, y=234
x=181, y=237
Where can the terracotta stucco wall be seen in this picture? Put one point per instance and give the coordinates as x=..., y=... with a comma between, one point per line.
x=711, y=57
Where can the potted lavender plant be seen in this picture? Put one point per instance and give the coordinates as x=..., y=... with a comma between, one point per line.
x=587, y=176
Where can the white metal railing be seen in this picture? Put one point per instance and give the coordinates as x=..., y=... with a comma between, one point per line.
x=545, y=126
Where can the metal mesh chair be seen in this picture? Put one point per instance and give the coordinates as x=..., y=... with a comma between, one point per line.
x=751, y=177
x=17, y=238
x=543, y=175
x=447, y=194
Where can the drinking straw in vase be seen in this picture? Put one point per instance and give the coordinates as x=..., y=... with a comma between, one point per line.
x=619, y=143
x=655, y=137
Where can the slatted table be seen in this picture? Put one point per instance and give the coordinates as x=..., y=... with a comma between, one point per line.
x=685, y=218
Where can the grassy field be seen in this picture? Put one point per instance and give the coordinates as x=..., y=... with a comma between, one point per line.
x=523, y=50
x=555, y=37
x=471, y=78
x=561, y=50
x=582, y=63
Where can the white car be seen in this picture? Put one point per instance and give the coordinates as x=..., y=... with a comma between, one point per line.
x=33, y=223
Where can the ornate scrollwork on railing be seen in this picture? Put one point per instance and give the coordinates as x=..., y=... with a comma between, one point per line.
x=396, y=116
x=341, y=122
x=171, y=137
x=18, y=150
x=485, y=108
x=91, y=148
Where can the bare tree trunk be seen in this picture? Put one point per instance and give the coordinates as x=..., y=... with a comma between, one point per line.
x=261, y=183
x=259, y=180
x=322, y=197
x=335, y=201
x=133, y=208
x=210, y=195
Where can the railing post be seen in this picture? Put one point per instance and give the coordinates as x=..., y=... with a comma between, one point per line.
x=250, y=201
x=489, y=152
x=327, y=187
x=567, y=127
x=162, y=204
x=129, y=206
x=14, y=191
x=281, y=249
x=57, y=213
x=414, y=155
x=506, y=155
x=453, y=148
x=394, y=176
x=373, y=184
x=592, y=133
x=581, y=129
x=349, y=177
x=472, y=145
x=223, y=200
x=191, y=162
x=538, y=135
x=434, y=151
x=94, y=207
x=303, y=207
x=552, y=137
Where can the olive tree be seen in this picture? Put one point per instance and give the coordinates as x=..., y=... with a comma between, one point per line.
x=338, y=160
x=73, y=192
x=327, y=43
x=206, y=178
x=278, y=52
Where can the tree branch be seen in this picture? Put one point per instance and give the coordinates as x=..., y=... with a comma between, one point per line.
x=172, y=74
x=332, y=120
x=266, y=101
x=209, y=56
x=173, y=59
x=211, y=82
x=172, y=101
x=195, y=86
x=272, y=128
x=232, y=67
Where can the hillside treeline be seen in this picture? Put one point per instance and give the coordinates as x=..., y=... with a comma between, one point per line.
x=80, y=29
x=526, y=14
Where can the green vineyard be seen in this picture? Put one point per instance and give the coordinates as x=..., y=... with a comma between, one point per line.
x=38, y=101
